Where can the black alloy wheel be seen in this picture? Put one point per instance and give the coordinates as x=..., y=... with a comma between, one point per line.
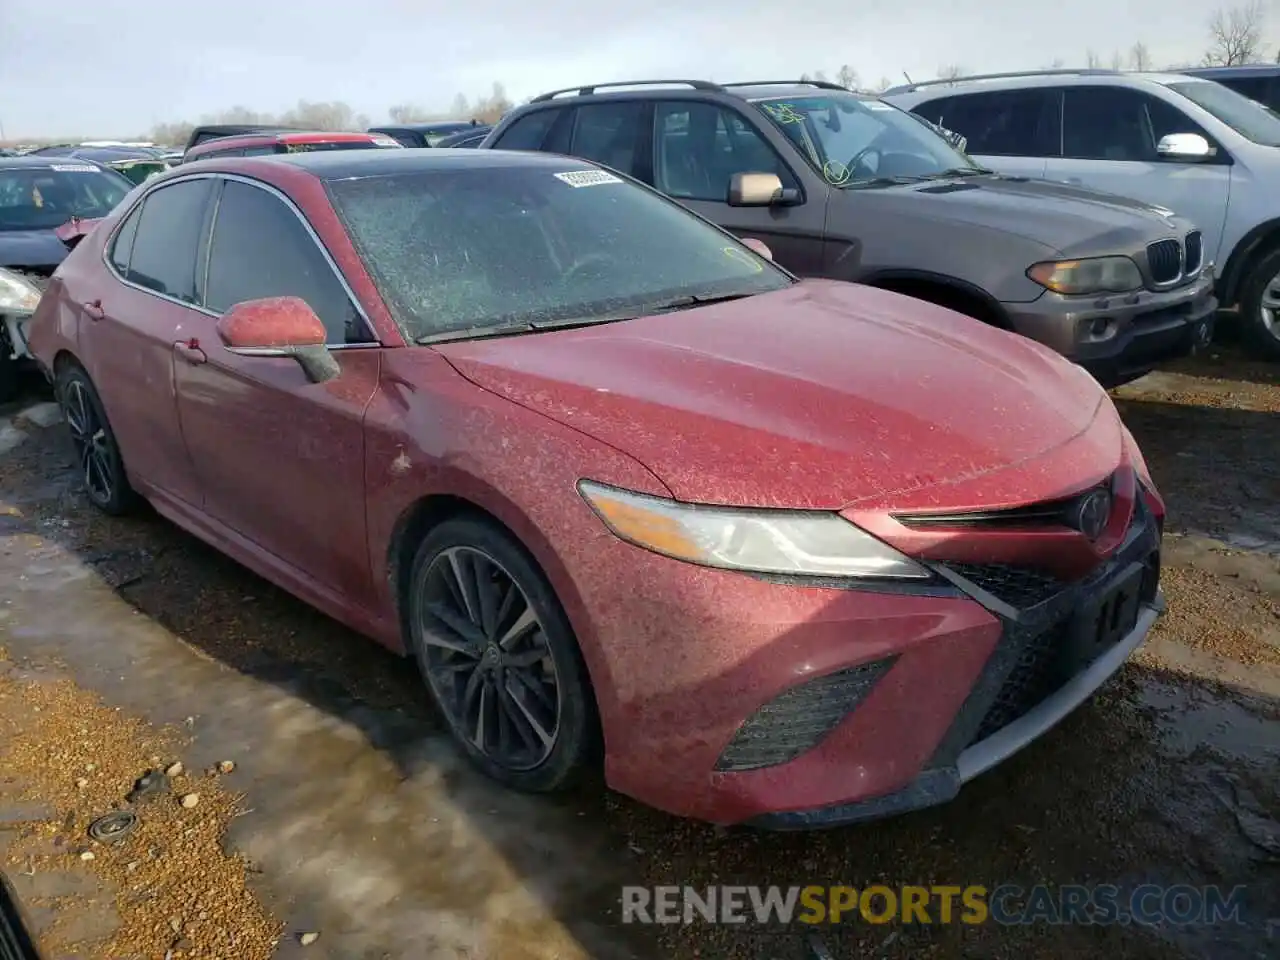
x=498, y=656
x=97, y=456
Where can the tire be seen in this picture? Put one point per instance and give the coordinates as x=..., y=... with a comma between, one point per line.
x=1259, y=324
x=503, y=681
x=98, y=457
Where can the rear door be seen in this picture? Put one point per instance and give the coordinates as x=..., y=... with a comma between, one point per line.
x=1012, y=131
x=1109, y=137
x=697, y=148
x=281, y=459
x=151, y=306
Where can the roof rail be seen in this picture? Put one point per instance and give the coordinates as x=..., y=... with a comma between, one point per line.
x=592, y=88
x=943, y=81
x=821, y=84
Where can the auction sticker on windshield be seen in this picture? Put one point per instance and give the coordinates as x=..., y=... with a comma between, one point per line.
x=587, y=178
x=72, y=168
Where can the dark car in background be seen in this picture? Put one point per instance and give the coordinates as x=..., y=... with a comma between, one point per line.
x=425, y=134
x=471, y=137
x=135, y=163
x=1257, y=81
x=848, y=187
x=207, y=132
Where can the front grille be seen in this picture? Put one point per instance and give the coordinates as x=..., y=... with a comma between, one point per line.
x=1019, y=587
x=1046, y=513
x=1034, y=676
x=1164, y=260
x=1194, y=245
x=800, y=718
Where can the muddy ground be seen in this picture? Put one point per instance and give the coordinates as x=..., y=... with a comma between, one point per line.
x=348, y=815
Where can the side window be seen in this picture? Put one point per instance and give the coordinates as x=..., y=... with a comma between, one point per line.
x=258, y=151
x=1112, y=123
x=122, y=245
x=699, y=146
x=166, y=238
x=609, y=133
x=528, y=132
x=1002, y=123
x=1255, y=88
x=260, y=249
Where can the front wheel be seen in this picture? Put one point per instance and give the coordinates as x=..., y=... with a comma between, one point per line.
x=98, y=458
x=499, y=657
x=1260, y=306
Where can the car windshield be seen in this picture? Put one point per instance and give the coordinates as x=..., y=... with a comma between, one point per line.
x=498, y=247
x=1246, y=117
x=41, y=198
x=859, y=141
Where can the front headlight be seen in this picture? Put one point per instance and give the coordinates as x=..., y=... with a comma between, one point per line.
x=1095, y=275
x=799, y=543
x=16, y=294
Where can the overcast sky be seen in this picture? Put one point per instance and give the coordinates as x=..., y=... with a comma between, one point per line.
x=117, y=67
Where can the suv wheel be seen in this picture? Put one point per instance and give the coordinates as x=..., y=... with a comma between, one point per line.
x=1260, y=306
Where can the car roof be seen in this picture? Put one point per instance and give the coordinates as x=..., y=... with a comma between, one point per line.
x=11, y=163
x=933, y=89
x=425, y=127
x=346, y=164
x=647, y=89
x=1235, y=70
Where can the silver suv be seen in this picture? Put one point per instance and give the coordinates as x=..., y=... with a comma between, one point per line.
x=1184, y=143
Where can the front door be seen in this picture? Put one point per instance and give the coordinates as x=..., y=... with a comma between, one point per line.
x=1109, y=137
x=281, y=459
x=134, y=323
x=699, y=146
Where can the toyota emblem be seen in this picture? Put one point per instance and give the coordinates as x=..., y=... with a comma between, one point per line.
x=1092, y=514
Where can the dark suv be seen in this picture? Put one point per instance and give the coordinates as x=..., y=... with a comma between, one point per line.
x=848, y=187
x=1257, y=81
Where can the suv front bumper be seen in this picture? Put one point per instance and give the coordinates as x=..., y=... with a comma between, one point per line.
x=1142, y=331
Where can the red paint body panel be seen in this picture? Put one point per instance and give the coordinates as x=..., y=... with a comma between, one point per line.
x=825, y=396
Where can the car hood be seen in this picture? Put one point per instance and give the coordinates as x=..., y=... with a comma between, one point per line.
x=819, y=396
x=1067, y=219
x=35, y=249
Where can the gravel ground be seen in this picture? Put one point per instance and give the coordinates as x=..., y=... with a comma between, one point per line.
x=1168, y=776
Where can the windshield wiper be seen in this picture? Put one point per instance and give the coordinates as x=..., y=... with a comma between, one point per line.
x=959, y=172
x=882, y=182
x=515, y=329
x=694, y=300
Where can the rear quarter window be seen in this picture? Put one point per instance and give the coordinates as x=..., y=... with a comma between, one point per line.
x=527, y=132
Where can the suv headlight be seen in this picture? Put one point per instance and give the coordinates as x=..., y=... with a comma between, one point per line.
x=795, y=542
x=16, y=294
x=1095, y=275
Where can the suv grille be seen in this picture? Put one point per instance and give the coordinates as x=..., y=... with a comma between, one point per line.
x=1195, y=251
x=1164, y=260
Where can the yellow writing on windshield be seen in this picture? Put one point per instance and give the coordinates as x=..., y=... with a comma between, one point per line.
x=737, y=253
x=784, y=112
x=836, y=173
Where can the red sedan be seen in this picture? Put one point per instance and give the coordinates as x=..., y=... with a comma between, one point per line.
x=794, y=553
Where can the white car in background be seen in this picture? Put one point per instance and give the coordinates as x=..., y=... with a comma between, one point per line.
x=1183, y=143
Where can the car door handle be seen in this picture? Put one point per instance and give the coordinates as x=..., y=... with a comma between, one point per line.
x=93, y=310
x=189, y=350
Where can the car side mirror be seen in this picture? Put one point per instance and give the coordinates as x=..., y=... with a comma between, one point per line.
x=759, y=190
x=1186, y=147
x=279, y=327
x=759, y=246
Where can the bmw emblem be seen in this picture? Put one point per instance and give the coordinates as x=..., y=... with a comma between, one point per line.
x=1092, y=513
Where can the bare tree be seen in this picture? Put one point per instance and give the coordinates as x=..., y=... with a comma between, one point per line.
x=491, y=109
x=1235, y=35
x=408, y=113
x=1117, y=60
x=1139, y=57
x=1091, y=59
x=1054, y=64
x=847, y=77
x=883, y=84
x=950, y=71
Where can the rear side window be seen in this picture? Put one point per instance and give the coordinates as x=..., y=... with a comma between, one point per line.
x=260, y=249
x=262, y=151
x=1002, y=123
x=609, y=133
x=1255, y=88
x=163, y=256
x=527, y=132
x=122, y=245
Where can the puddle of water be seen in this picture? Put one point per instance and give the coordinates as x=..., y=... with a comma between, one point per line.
x=1191, y=721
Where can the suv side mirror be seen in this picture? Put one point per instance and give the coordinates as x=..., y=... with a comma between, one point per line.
x=279, y=327
x=759, y=190
x=1187, y=147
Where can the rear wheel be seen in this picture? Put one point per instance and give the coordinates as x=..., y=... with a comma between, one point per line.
x=499, y=657
x=1260, y=306
x=98, y=458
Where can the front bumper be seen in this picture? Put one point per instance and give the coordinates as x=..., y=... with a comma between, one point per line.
x=1118, y=338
